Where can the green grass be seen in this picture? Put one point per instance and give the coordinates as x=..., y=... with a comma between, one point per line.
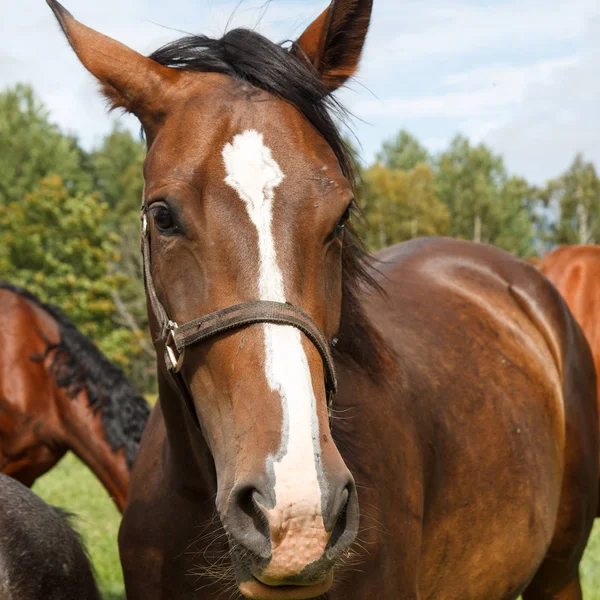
x=71, y=485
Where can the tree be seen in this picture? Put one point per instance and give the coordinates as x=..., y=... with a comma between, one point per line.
x=400, y=205
x=116, y=168
x=468, y=182
x=485, y=205
x=403, y=153
x=576, y=196
x=54, y=243
x=32, y=148
x=518, y=228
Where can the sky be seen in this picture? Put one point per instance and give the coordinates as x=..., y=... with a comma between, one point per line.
x=522, y=76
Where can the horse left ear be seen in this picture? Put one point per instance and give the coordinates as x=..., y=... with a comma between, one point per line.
x=333, y=42
x=128, y=79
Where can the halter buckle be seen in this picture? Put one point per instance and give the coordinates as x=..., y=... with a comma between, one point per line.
x=176, y=359
x=144, y=223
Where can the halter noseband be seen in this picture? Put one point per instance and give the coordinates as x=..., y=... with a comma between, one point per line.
x=178, y=337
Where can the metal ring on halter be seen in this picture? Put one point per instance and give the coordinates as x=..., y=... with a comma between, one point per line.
x=175, y=359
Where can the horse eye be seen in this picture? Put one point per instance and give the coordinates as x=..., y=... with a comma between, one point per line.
x=163, y=219
x=339, y=228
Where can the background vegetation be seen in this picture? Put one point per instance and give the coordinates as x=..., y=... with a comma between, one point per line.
x=69, y=231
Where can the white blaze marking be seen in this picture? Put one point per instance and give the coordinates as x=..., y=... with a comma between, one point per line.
x=254, y=174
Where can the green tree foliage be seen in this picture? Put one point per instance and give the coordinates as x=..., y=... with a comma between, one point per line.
x=60, y=241
x=486, y=206
x=116, y=168
x=468, y=182
x=576, y=194
x=403, y=153
x=518, y=226
x=400, y=205
x=32, y=148
x=54, y=242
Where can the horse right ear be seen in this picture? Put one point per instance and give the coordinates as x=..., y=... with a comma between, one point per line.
x=333, y=42
x=128, y=79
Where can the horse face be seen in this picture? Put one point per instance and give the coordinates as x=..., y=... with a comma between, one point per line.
x=261, y=218
x=247, y=201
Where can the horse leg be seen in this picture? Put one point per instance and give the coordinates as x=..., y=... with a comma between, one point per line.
x=570, y=591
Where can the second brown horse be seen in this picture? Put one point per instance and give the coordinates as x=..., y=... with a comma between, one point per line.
x=58, y=392
x=575, y=271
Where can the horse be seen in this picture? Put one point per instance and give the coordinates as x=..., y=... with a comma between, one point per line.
x=41, y=555
x=442, y=386
x=58, y=392
x=575, y=271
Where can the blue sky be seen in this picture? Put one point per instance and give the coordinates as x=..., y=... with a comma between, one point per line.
x=523, y=76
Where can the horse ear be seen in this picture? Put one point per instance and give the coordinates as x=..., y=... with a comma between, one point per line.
x=333, y=42
x=128, y=79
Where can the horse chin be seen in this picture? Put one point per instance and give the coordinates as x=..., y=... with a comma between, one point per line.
x=257, y=590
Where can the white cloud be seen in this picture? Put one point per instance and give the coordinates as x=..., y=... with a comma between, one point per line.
x=556, y=119
x=513, y=75
x=484, y=91
x=413, y=33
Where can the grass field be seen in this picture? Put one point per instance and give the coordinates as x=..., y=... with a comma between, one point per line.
x=71, y=485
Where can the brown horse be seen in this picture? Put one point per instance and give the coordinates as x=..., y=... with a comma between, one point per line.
x=465, y=417
x=58, y=392
x=575, y=271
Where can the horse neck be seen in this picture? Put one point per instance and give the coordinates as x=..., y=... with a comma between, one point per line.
x=192, y=464
x=83, y=433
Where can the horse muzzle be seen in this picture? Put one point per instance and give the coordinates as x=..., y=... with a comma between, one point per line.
x=289, y=551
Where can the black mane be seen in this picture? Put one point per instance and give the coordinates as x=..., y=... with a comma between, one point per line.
x=252, y=59
x=78, y=365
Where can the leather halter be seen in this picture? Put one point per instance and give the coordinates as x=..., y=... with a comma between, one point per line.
x=177, y=338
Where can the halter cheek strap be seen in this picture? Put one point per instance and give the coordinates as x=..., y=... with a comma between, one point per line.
x=177, y=338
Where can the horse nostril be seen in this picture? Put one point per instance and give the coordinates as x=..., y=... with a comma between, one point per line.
x=340, y=522
x=247, y=522
x=345, y=513
x=250, y=505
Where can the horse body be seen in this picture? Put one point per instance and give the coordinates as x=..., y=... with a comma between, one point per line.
x=465, y=420
x=40, y=554
x=42, y=416
x=465, y=446
x=575, y=271
x=495, y=380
